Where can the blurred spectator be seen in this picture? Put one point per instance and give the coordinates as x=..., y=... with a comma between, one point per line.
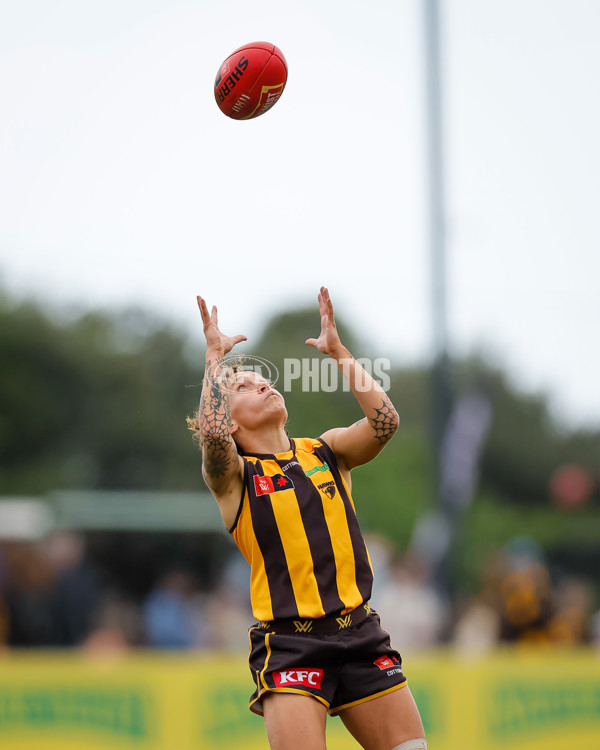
x=414, y=614
x=519, y=603
x=174, y=613
x=525, y=594
x=228, y=610
x=4, y=615
x=51, y=592
x=477, y=630
x=477, y=626
x=75, y=584
x=595, y=629
x=117, y=624
x=571, y=623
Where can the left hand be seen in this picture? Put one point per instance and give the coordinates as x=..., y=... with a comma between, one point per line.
x=329, y=340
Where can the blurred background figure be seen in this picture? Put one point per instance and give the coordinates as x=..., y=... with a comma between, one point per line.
x=51, y=593
x=174, y=614
x=571, y=623
x=117, y=625
x=415, y=615
x=228, y=608
x=4, y=612
x=525, y=595
x=519, y=602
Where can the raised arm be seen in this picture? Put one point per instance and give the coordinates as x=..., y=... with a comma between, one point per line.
x=222, y=467
x=362, y=441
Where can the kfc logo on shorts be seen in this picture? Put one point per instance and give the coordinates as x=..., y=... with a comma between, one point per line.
x=385, y=662
x=310, y=678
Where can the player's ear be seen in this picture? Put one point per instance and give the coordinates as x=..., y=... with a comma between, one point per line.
x=234, y=428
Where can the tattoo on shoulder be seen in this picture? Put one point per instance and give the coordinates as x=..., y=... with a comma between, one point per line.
x=385, y=422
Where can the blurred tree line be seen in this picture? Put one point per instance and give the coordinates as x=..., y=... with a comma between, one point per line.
x=98, y=400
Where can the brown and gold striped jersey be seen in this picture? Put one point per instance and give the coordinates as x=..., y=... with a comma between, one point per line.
x=297, y=528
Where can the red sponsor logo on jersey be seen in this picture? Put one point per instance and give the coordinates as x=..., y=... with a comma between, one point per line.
x=310, y=678
x=276, y=483
x=385, y=662
x=263, y=485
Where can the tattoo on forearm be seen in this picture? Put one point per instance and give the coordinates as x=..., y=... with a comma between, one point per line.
x=215, y=424
x=385, y=422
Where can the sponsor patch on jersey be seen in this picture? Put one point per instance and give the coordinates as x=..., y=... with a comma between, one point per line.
x=267, y=485
x=310, y=678
x=310, y=472
x=385, y=662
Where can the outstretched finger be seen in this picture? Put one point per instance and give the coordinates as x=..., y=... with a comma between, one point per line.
x=203, y=310
x=237, y=339
x=328, y=303
x=214, y=316
x=311, y=342
x=322, y=306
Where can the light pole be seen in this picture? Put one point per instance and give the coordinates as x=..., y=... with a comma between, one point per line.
x=440, y=389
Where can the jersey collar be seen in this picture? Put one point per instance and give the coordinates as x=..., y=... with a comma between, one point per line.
x=277, y=456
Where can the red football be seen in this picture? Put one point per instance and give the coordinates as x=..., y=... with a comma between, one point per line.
x=250, y=80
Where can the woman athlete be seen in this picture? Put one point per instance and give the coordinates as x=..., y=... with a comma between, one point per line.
x=317, y=646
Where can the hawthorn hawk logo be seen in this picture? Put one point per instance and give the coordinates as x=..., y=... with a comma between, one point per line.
x=328, y=488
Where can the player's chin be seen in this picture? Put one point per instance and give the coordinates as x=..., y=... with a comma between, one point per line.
x=277, y=404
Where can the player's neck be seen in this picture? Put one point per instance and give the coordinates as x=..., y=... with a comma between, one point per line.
x=270, y=441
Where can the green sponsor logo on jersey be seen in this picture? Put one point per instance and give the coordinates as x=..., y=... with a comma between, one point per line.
x=310, y=472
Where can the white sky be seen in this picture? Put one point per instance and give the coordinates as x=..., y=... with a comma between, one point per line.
x=121, y=183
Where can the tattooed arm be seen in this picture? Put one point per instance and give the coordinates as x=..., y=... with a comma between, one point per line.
x=222, y=467
x=362, y=441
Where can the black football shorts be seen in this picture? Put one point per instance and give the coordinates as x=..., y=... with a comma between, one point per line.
x=340, y=669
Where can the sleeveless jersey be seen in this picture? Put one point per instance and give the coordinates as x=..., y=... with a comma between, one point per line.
x=297, y=528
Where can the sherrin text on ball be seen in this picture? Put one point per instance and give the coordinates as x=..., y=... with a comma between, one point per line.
x=251, y=80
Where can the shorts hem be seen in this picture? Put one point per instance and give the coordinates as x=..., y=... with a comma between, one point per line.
x=336, y=709
x=293, y=691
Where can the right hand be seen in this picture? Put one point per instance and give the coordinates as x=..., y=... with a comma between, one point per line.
x=328, y=341
x=216, y=342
